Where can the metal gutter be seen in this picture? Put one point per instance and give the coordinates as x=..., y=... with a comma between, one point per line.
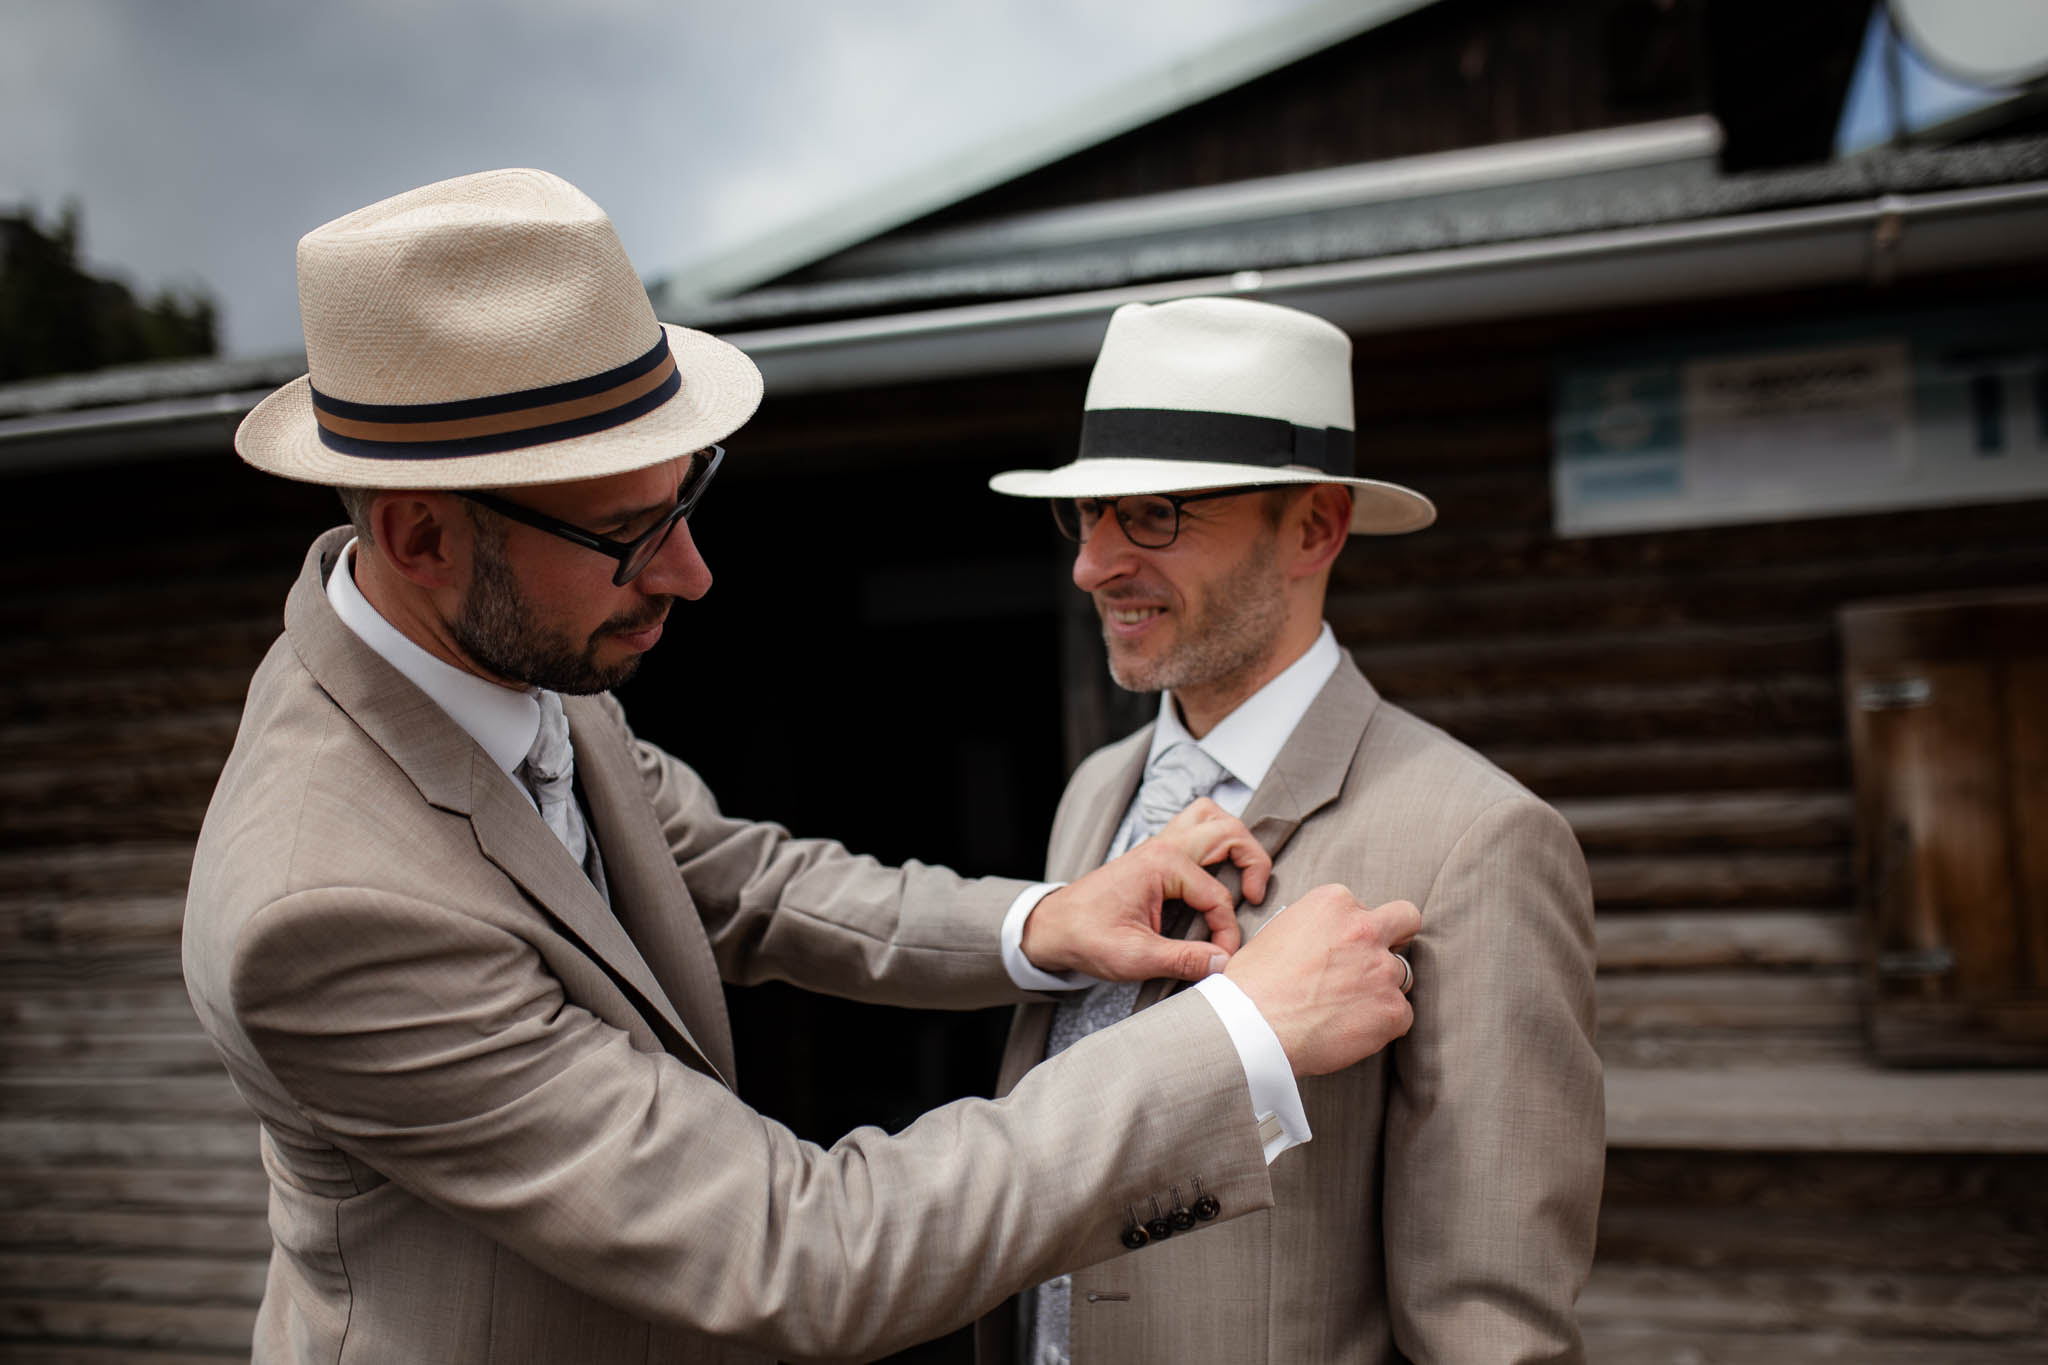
x=158, y=429
x=1567, y=155
x=1873, y=241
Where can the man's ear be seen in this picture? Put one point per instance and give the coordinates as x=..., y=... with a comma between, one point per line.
x=424, y=536
x=1322, y=522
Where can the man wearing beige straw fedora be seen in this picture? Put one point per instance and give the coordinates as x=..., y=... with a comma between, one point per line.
x=458, y=936
x=1445, y=1209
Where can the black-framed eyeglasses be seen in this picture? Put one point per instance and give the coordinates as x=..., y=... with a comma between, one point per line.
x=633, y=555
x=1150, y=521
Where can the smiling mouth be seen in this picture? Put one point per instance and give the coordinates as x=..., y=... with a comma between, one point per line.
x=1131, y=616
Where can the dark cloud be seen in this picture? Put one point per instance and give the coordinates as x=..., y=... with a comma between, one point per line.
x=202, y=137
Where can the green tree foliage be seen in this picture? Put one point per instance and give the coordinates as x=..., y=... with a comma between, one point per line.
x=57, y=319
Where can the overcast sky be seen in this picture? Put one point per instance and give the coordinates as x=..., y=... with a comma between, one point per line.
x=202, y=137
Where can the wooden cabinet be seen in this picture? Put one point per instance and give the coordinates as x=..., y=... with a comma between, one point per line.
x=1947, y=703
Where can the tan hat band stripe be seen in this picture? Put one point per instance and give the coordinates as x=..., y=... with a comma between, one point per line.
x=525, y=418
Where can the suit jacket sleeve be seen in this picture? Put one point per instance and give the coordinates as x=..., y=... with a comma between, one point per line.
x=1494, y=1143
x=435, y=1047
x=809, y=912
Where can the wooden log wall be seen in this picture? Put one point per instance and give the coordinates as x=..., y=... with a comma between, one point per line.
x=133, y=1198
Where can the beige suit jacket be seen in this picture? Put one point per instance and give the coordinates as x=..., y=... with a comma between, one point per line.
x=497, y=1116
x=1444, y=1211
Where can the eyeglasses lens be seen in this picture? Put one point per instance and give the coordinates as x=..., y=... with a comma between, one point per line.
x=649, y=545
x=1147, y=521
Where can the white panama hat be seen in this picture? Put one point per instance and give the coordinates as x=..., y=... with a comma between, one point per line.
x=1220, y=393
x=483, y=332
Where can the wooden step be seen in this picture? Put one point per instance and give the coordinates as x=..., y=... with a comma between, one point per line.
x=1829, y=1108
x=1721, y=939
x=1598, y=769
x=1929, y=1306
x=1628, y=1342
x=1756, y=1003
x=1719, y=821
x=1749, y=879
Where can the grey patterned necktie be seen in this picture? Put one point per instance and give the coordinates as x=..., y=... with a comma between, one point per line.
x=1180, y=774
x=549, y=771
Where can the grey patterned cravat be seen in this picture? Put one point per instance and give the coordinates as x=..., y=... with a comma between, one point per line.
x=549, y=772
x=1181, y=773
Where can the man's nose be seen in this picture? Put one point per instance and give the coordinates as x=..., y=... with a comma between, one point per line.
x=677, y=569
x=1105, y=556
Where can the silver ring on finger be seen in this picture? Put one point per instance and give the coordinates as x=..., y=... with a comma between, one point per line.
x=1407, y=973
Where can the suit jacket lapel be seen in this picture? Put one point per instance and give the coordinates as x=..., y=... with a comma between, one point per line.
x=454, y=774
x=1307, y=775
x=648, y=895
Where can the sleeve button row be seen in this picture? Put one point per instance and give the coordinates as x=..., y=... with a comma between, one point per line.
x=1180, y=1218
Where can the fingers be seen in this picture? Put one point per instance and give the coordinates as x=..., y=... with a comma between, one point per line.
x=1190, y=960
x=1399, y=922
x=1224, y=935
x=1207, y=833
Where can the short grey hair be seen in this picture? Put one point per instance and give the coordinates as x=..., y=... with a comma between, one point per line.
x=356, y=502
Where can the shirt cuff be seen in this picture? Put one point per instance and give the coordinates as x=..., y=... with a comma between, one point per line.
x=1276, y=1099
x=1028, y=977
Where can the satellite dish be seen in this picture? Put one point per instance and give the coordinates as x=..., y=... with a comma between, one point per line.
x=1978, y=42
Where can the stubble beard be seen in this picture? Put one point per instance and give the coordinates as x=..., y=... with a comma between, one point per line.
x=497, y=628
x=1231, y=636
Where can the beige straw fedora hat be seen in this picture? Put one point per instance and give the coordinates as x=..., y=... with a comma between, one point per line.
x=484, y=332
x=1221, y=393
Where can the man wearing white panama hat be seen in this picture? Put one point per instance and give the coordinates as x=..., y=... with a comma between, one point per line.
x=458, y=936
x=1445, y=1209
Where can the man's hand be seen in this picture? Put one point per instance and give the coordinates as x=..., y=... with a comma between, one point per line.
x=1107, y=923
x=1325, y=977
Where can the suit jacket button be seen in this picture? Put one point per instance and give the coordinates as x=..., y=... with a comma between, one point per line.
x=1206, y=1207
x=1181, y=1219
x=1160, y=1229
x=1135, y=1237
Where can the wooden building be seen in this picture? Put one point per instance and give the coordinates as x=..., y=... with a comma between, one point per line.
x=1499, y=201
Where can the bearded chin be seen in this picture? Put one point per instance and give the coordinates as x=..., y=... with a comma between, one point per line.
x=496, y=627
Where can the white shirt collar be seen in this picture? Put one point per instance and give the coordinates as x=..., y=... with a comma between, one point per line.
x=502, y=720
x=1248, y=739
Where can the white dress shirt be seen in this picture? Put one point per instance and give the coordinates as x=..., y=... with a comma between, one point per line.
x=1244, y=743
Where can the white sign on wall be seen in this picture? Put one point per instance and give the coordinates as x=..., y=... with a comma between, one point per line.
x=1824, y=422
